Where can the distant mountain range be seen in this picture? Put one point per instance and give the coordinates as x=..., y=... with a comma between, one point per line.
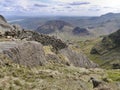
x=102, y=25
x=56, y=26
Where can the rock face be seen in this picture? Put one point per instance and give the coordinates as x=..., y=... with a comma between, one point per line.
x=4, y=26
x=27, y=53
x=2, y=19
x=78, y=59
x=31, y=53
x=52, y=26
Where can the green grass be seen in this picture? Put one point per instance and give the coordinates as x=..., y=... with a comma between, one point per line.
x=49, y=77
x=86, y=46
x=114, y=75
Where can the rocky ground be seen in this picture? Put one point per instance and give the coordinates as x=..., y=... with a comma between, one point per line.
x=53, y=75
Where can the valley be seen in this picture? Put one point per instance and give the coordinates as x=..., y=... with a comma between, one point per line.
x=59, y=53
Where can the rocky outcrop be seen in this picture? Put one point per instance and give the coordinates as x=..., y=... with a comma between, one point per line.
x=4, y=26
x=57, y=44
x=28, y=53
x=77, y=59
x=31, y=53
x=62, y=54
x=2, y=19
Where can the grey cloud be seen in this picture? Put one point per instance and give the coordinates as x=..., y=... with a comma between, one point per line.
x=60, y=10
x=94, y=9
x=67, y=7
x=61, y=4
x=40, y=5
x=106, y=7
x=53, y=8
x=78, y=3
x=6, y=3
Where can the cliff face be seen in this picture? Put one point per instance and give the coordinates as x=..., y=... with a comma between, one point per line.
x=24, y=53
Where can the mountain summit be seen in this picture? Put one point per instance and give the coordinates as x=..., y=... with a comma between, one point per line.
x=2, y=19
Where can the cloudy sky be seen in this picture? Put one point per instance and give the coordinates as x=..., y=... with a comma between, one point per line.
x=59, y=7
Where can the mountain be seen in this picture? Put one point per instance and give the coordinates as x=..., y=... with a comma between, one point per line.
x=105, y=24
x=53, y=26
x=80, y=31
x=63, y=30
x=109, y=49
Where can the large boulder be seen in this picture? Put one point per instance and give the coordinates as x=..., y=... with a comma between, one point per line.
x=28, y=53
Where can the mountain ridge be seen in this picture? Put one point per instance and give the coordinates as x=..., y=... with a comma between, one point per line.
x=99, y=25
x=108, y=49
x=60, y=26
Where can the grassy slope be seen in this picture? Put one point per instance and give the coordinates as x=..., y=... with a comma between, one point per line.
x=86, y=46
x=57, y=77
x=104, y=60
